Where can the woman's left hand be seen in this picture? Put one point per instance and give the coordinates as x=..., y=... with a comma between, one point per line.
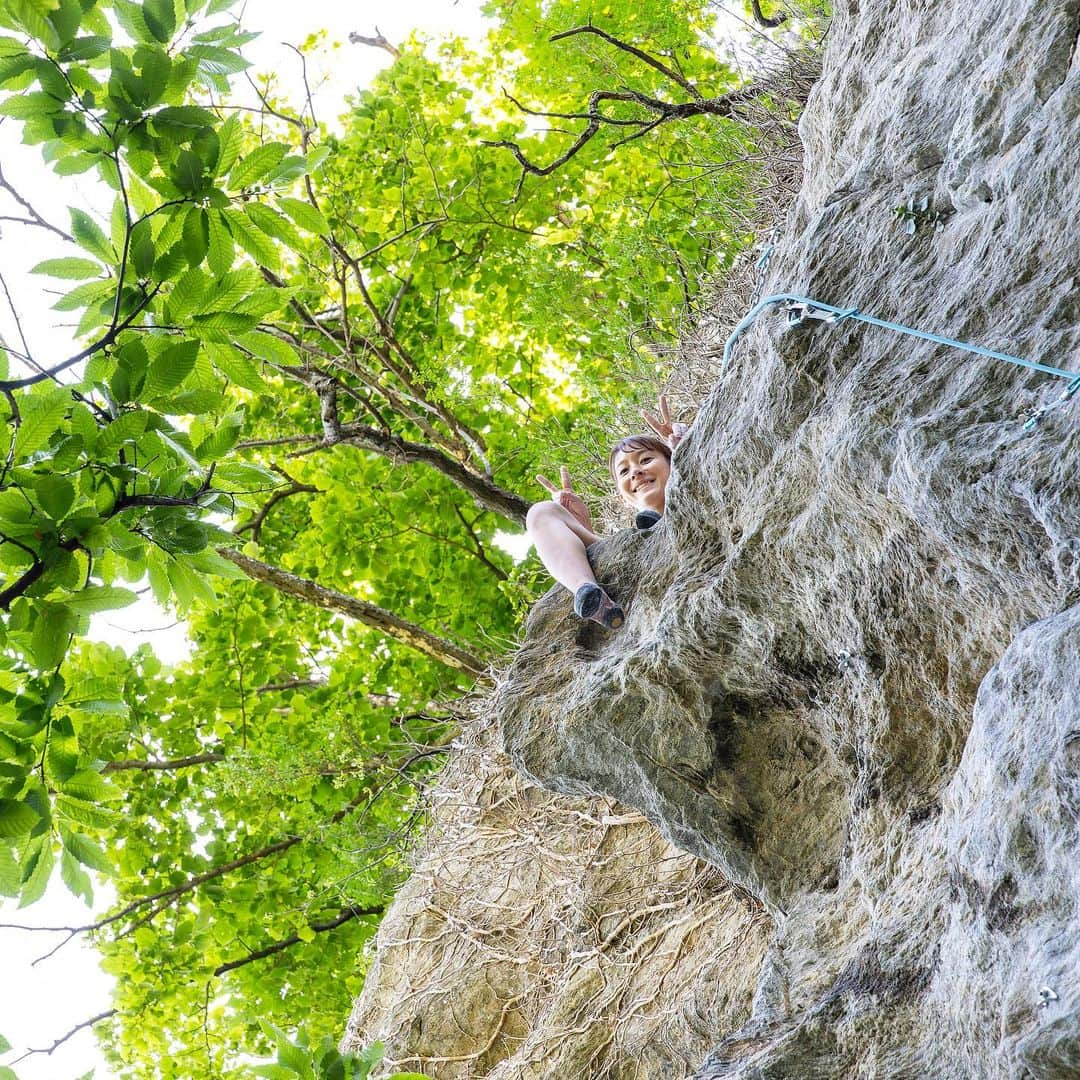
x=670, y=432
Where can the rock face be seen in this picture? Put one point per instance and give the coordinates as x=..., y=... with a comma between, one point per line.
x=850, y=674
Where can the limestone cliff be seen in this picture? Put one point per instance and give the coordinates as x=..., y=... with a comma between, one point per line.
x=849, y=683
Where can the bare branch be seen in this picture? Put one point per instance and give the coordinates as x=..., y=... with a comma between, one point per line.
x=369, y=614
x=35, y=217
x=376, y=42
x=626, y=47
x=64, y=1038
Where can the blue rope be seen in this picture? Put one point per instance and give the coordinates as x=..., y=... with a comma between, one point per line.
x=801, y=308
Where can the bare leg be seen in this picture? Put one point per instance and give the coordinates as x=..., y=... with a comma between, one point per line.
x=560, y=541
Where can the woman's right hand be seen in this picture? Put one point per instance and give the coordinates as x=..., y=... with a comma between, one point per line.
x=566, y=497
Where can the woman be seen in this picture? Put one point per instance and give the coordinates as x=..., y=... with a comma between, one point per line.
x=562, y=529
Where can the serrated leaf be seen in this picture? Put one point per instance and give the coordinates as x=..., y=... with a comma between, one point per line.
x=160, y=18
x=305, y=215
x=55, y=494
x=273, y=224
x=188, y=173
x=256, y=165
x=221, y=440
x=74, y=269
x=187, y=293
x=89, y=786
x=230, y=139
x=169, y=370
x=129, y=425
x=99, y=598
x=51, y=634
x=86, y=851
x=259, y=246
x=236, y=367
x=10, y=878
x=41, y=416
x=84, y=813
x=31, y=15
x=16, y=818
x=89, y=234
x=221, y=253
x=270, y=348
x=38, y=879
x=76, y=878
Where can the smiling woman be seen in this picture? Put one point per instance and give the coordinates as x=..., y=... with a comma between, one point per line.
x=562, y=528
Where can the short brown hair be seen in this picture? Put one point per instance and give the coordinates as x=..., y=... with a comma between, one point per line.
x=636, y=442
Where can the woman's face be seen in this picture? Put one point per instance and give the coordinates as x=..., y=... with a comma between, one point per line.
x=641, y=476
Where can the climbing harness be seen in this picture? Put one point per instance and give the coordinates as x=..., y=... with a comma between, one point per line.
x=800, y=309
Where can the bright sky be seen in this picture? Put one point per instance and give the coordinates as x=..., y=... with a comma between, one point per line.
x=39, y=1004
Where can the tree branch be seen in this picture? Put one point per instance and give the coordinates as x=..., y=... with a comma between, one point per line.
x=163, y=766
x=64, y=1038
x=376, y=42
x=626, y=47
x=346, y=915
x=369, y=614
x=36, y=218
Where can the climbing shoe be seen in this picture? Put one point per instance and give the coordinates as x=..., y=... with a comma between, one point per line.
x=645, y=520
x=591, y=602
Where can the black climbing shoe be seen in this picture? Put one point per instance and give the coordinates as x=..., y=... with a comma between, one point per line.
x=591, y=602
x=645, y=520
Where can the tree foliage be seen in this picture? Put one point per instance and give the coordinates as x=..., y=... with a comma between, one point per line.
x=313, y=372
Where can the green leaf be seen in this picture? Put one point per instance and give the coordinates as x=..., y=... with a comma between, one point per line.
x=10, y=875
x=127, y=426
x=260, y=247
x=72, y=268
x=270, y=348
x=40, y=870
x=191, y=116
x=16, y=818
x=5, y=1046
x=89, y=786
x=99, y=598
x=52, y=631
x=188, y=173
x=196, y=235
x=230, y=139
x=236, y=367
x=160, y=18
x=76, y=878
x=221, y=251
x=84, y=48
x=86, y=851
x=131, y=18
x=89, y=234
x=84, y=813
x=41, y=415
x=142, y=249
x=305, y=215
x=273, y=224
x=170, y=369
x=55, y=494
x=221, y=440
x=256, y=165
x=31, y=15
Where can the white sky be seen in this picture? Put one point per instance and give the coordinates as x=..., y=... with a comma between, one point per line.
x=39, y=1004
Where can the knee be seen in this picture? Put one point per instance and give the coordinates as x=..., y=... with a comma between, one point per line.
x=541, y=511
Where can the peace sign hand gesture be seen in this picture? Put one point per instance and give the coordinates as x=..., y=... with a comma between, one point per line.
x=566, y=496
x=671, y=433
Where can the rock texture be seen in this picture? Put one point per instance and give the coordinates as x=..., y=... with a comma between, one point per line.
x=850, y=675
